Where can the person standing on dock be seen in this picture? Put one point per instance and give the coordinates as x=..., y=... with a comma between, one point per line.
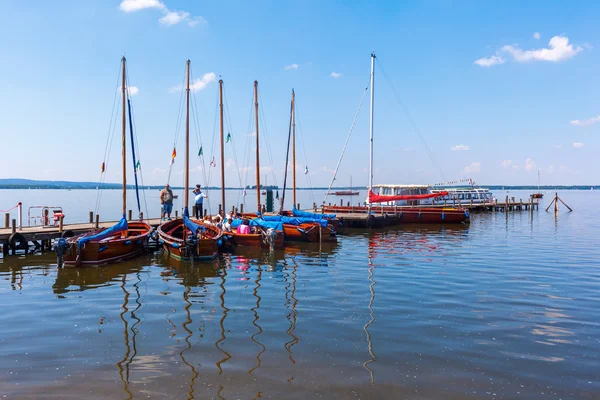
x=166, y=200
x=199, y=199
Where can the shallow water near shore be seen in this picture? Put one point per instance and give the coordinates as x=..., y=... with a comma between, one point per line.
x=504, y=308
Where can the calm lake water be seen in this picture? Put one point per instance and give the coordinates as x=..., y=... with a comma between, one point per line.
x=506, y=308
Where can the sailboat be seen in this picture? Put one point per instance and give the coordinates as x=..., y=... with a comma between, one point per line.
x=124, y=239
x=265, y=233
x=407, y=214
x=188, y=239
x=539, y=194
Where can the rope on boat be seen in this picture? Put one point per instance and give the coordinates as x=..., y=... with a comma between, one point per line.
x=307, y=170
x=199, y=143
x=10, y=209
x=229, y=125
x=177, y=126
x=337, y=167
x=412, y=121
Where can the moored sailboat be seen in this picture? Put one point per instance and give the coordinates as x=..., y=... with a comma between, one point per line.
x=124, y=240
x=187, y=239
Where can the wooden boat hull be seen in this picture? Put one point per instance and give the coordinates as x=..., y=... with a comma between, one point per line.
x=410, y=215
x=110, y=250
x=308, y=232
x=234, y=239
x=172, y=235
x=537, y=196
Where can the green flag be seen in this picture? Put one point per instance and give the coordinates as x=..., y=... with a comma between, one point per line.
x=200, y=151
x=138, y=166
x=277, y=195
x=228, y=138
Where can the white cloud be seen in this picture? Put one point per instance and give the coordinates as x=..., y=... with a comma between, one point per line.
x=459, y=147
x=473, y=168
x=489, y=61
x=586, y=122
x=291, y=67
x=137, y=5
x=169, y=17
x=506, y=163
x=198, y=84
x=529, y=164
x=559, y=50
x=536, y=35
x=577, y=145
x=174, y=17
x=335, y=75
x=133, y=90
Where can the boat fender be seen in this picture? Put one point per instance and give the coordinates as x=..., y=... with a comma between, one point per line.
x=175, y=245
x=138, y=242
x=467, y=214
x=419, y=214
x=103, y=248
x=16, y=241
x=220, y=242
x=128, y=242
x=443, y=216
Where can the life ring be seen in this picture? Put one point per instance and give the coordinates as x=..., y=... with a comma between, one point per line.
x=67, y=234
x=16, y=241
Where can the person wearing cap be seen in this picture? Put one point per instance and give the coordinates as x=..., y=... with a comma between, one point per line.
x=199, y=200
x=166, y=200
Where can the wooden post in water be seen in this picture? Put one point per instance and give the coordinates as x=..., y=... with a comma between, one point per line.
x=242, y=208
x=61, y=223
x=7, y=220
x=91, y=217
x=298, y=206
x=129, y=215
x=220, y=209
x=97, y=221
x=14, y=225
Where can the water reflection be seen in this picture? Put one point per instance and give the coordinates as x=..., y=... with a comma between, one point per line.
x=255, y=321
x=184, y=325
x=85, y=278
x=225, y=310
x=373, y=243
x=124, y=370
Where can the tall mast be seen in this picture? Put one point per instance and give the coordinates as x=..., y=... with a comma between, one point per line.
x=294, y=145
x=371, y=124
x=187, y=135
x=257, y=148
x=123, y=141
x=222, y=144
x=538, y=181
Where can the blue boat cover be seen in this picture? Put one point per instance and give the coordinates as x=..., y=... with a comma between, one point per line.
x=278, y=226
x=306, y=214
x=191, y=225
x=118, y=227
x=294, y=220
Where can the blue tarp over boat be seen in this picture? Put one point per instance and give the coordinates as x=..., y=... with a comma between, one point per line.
x=191, y=225
x=306, y=214
x=278, y=226
x=294, y=220
x=118, y=227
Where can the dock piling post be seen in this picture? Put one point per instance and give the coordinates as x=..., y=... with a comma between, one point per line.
x=203, y=214
x=61, y=222
x=91, y=217
x=20, y=215
x=7, y=220
x=14, y=225
x=194, y=210
x=315, y=207
x=129, y=215
x=220, y=208
x=141, y=215
x=242, y=208
x=97, y=225
x=176, y=213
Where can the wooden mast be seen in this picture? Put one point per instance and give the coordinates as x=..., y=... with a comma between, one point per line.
x=187, y=136
x=223, y=208
x=294, y=146
x=371, y=126
x=123, y=136
x=257, y=147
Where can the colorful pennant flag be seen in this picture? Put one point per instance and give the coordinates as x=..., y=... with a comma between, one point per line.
x=102, y=168
x=305, y=170
x=213, y=163
x=138, y=166
x=173, y=156
x=277, y=195
x=244, y=193
x=228, y=138
x=200, y=151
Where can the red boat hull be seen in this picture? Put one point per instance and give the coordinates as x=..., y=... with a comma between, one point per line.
x=173, y=234
x=408, y=215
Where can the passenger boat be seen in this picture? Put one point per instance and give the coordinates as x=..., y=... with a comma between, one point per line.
x=123, y=240
x=467, y=195
x=188, y=239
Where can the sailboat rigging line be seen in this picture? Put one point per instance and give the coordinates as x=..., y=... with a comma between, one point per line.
x=135, y=175
x=412, y=121
x=198, y=135
x=177, y=124
x=111, y=133
x=306, y=175
x=247, y=148
x=264, y=129
x=228, y=122
x=287, y=155
x=337, y=167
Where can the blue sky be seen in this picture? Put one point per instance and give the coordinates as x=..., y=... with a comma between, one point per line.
x=498, y=91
